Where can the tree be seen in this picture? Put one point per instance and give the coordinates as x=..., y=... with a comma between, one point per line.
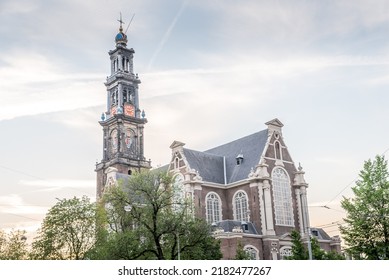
x=366, y=232
x=300, y=252
x=241, y=254
x=67, y=232
x=13, y=245
x=147, y=219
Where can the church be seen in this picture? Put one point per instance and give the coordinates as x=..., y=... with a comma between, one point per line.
x=249, y=190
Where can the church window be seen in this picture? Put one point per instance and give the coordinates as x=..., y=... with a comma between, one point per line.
x=125, y=95
x=277, y=150
x=285, y=252
x=282, y=197
x=176, y=163
x=114, y=97
x=125, y=64
x=240, y=203
x=252, y=252
x=178, y=192
x=213, y=207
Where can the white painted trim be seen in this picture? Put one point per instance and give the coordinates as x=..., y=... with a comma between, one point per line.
x=234, y=206
x=245, y=248
x=220, y=206
x=285, y=161
x=291, y=196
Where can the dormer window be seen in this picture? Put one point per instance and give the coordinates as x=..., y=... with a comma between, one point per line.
x=245, y=226
x=239, y=159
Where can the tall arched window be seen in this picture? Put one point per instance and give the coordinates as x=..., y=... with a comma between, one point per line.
x=240, y=203
x=282, y=197
x=277, y=150
x=213, y=207
x=178, y=192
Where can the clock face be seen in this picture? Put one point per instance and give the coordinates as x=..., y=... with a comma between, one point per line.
x=129, y=110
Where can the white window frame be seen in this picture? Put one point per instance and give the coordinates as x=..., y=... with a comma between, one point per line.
x=285, y=251
x=178, y=189
x=238, y=206
x=252, y=251
x=277, y=149
x=213, y=212
x=282, y=198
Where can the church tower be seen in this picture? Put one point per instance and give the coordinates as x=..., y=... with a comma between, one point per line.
x=123, y=122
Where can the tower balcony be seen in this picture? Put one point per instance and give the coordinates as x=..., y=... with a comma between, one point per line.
x=122, y=75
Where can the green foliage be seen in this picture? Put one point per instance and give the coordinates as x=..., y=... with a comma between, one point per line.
x=13, y=245
x=241, y=254
x=67, y=232
x=300, y=252
x=366, y=232
x=145, y=220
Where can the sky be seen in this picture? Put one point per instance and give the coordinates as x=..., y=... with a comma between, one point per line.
x=211, y=72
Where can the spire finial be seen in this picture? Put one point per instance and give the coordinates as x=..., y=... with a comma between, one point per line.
x=121, y=23
x=300, y=168
x=121, y=38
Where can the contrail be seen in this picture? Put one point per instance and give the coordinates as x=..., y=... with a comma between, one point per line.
x=167, y=34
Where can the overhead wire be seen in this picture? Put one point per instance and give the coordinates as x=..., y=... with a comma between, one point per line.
x=35, y=205
x=348, y=185
x=43, y=179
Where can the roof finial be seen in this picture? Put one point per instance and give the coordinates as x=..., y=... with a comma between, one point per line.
x=121, y=38
x=121, y=22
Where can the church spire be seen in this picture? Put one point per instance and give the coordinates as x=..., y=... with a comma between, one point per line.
x=123, y=121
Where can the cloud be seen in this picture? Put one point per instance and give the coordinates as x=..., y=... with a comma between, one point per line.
x=11, y=7
x=34, y=85
x=14, y=204
x=60, y=183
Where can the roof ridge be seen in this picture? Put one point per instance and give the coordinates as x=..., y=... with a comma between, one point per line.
x=203, y=152
x=239, y=139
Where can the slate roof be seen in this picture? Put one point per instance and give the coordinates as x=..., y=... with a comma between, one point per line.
x=320, y=234
x=210, y=166
x=229, y=225
x=210, y=163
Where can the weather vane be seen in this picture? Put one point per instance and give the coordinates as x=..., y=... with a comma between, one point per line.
x=122, y=22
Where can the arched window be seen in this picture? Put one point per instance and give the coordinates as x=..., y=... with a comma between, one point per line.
x=176, y=163
x=252, y=252
x=285, y=251
x=240, y=203
x=114, y=141
x=178, y=192
x=213, y=207
x=282, y=197
x=277, y=150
